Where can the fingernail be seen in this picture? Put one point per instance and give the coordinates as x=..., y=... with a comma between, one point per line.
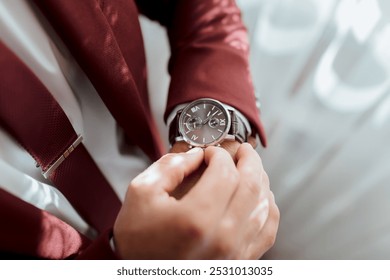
x=194, y=150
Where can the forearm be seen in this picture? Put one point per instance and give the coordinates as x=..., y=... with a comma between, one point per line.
x=210, y=57
x=209, y=54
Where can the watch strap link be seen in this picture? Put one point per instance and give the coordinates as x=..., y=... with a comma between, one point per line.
x=174, y=128
x=237, y=128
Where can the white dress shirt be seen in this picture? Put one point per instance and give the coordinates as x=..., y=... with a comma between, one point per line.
x=25, y=32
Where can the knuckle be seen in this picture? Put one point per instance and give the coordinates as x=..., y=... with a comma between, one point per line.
x=227, y=226
x=271, y=235
x=223, y=246
x=145, y=181
x=136, y=185
x=167, y=159
x=169, y=162
x=266, y=179
x=274, y=209
x=191, y=228
x=251, y=171
x=270, y=241
x=276, y=212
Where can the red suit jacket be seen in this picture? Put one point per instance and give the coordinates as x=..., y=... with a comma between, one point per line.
x=209, y=58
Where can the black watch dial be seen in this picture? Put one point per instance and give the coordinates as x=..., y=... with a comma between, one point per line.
x=204, y=122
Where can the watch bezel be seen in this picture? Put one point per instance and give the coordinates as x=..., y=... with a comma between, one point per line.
x=181, y=124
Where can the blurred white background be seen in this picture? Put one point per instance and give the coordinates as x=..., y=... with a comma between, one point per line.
x=322, y=72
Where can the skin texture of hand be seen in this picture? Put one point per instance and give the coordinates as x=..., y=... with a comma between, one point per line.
x=229, y=216
x=230, y=146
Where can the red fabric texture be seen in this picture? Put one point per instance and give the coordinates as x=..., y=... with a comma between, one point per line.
x=38, y=234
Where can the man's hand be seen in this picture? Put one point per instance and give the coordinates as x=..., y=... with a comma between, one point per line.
x=230, y=146
x=229, y=213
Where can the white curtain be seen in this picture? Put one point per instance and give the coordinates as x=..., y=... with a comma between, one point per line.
x=322, y=72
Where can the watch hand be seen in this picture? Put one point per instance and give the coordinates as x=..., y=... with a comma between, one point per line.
x=208, y=118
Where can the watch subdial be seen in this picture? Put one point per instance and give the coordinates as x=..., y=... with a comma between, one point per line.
x=214, y=122
x=194, y=123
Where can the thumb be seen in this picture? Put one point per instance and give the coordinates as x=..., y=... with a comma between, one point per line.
x=164, y=175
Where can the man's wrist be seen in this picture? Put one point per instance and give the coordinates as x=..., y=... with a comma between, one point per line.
x=242, y=118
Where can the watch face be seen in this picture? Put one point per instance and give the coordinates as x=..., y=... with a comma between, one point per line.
x=204, y=122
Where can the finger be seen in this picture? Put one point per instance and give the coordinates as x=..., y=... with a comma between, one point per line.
x=266, y=237
x=231, y=147
x=251, y=168
x=257, y=218
x=237, y=236
x=250, y=188
x=260, y=213
x=246, y=157
x=188, y=182
x=249, y=221
x=255, y=224
x=213, y=191
x=168, y=172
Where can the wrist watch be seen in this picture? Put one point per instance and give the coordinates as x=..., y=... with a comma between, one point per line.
x=207, y=122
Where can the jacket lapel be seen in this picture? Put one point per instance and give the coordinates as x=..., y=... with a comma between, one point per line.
x=106, y=41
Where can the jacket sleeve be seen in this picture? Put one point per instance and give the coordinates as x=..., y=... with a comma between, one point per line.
x=209, y=53
x=30, y=233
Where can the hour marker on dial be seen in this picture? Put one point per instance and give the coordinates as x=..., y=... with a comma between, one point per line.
x=194, y=109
